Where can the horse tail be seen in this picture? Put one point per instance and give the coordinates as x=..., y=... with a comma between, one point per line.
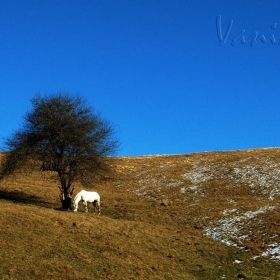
x=99, y=204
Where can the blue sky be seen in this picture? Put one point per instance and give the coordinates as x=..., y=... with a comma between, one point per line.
x=154, y=68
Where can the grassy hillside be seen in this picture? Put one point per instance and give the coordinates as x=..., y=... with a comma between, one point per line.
x=198, y=216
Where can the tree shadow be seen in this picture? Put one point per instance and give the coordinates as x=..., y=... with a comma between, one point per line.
x=22, y=197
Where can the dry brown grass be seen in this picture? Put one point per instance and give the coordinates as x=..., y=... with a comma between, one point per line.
x=136, y=237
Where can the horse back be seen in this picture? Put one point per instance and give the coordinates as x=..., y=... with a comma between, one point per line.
x=91, y=196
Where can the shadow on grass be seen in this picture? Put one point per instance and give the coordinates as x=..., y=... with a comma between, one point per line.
x=21, y=197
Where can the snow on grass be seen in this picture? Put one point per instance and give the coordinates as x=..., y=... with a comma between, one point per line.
x=258, y=174
x=265, y=178
x=261, y=176
x=199, y=174
x=273, y=251
x=229, y=229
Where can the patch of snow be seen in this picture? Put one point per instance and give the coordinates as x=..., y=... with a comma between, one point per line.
x=199, y=174
x=231, y=201
x=228, y=229
x=183, y=190
x=175, y=183
x=264, y=177
x=228, y=211
x=262, y=210
x=273, y=251
x=261, y=176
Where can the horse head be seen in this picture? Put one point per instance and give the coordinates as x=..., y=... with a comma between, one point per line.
x=75, y=207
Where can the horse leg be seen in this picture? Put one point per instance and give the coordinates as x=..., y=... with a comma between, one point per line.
x=96, y=206
x=99, y=207
x=85, y=205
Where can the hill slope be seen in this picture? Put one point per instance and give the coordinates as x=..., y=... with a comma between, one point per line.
x=198, y=216
x=233, y=196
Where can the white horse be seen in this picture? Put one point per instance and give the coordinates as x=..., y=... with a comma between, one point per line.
x=86, y=196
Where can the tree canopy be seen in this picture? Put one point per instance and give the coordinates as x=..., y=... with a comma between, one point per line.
x=66, y=136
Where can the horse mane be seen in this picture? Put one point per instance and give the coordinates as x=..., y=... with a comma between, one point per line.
x=79, y=193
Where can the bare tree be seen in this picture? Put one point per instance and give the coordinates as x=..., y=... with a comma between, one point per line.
x=64, y=135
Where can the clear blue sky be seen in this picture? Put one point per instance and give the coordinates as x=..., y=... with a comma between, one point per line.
x=155, y=69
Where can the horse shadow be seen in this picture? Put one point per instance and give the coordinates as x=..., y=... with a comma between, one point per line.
x=22, y=197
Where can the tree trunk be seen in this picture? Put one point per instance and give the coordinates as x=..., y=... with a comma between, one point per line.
x=65, y=195
x=66, y=203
